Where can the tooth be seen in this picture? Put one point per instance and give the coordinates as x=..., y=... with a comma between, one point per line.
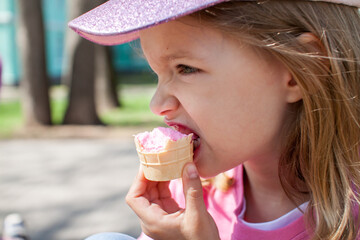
x=196, y=142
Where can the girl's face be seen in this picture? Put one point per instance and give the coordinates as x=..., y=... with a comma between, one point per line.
x=229, y=95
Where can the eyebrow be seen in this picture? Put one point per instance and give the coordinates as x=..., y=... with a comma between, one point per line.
x=178, y=55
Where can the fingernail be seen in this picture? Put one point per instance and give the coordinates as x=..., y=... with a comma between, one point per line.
x=192, y=171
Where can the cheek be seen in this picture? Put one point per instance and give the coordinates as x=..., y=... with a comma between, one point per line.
x=243, y=124
x=197, y=99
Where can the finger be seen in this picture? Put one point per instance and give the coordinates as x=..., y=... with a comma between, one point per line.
x=137, y=189
x=195, y=205
x=139, y=185
x=152, y=190
x=143, y=193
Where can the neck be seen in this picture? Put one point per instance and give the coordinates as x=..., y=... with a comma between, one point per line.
x=266, y=199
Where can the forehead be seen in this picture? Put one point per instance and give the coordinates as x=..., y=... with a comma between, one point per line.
x=179, y=38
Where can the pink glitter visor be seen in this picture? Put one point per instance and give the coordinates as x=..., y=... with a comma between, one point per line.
x=119, y=21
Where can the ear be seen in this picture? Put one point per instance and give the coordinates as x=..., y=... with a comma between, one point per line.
x=294, y=93
x=290, y=87
x=311, y=43
x=314, y=46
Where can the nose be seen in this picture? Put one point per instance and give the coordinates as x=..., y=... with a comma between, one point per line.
x=163, y=103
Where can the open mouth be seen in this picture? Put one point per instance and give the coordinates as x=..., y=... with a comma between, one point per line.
x=186, y=130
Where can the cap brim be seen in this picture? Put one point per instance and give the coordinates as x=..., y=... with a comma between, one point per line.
x=119, y=21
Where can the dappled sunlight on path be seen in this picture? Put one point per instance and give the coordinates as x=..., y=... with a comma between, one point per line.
x=69, y=188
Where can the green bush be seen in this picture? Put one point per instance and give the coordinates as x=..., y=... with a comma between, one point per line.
x=11, y=117
x=134, y=111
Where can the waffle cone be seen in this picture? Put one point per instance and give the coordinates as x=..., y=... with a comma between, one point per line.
x=167, y=164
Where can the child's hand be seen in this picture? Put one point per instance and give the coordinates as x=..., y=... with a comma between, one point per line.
x=161, y=216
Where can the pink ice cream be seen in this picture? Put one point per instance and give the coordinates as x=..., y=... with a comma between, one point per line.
x=156, y=140
x=163, y=153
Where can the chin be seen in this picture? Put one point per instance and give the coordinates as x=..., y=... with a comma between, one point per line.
x=206, y=172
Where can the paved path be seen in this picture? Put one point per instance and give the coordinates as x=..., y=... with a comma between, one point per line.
x=68, y=189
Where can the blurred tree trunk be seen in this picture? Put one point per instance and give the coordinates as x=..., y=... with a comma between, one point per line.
x=34, y=84
x=106, y=82
x=81, y=108
x=85, y=70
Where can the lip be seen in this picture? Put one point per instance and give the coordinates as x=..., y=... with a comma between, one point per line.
x=186, y=130
x=182, y=128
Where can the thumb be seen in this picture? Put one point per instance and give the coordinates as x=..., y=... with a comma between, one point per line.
x=195, y=205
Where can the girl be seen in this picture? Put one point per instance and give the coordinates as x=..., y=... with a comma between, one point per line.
x=271, y=90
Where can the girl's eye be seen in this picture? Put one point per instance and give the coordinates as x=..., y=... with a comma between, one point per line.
x=184, y=69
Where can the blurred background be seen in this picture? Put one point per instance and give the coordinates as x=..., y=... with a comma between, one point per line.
x=68, y=113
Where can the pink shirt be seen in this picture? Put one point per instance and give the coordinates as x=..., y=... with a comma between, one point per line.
x=225, y=207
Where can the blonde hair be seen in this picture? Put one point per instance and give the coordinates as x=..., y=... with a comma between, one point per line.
x=321, y=154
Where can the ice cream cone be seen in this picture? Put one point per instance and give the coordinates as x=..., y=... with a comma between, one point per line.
x=166, y=164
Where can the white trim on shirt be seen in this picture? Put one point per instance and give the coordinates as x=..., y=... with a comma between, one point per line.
x=277, y=223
